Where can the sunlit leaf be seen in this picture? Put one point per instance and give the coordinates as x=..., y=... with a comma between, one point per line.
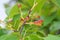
x=52, y=37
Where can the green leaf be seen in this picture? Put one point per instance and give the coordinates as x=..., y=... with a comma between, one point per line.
x=55, y=26
x=34, y=37
x=41, y=33
x=58, y=14
x=27, y=38
x=13, y=36
x=57, y=2
x=13, y=11
x=3, y=37
x=48, y=19
x=48, y=9
x=29, y=3
x=16, y=21
x=3, y=32
x=24, y=14
x=52, y=37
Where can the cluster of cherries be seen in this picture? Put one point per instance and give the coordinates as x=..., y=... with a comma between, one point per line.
x=38, y=22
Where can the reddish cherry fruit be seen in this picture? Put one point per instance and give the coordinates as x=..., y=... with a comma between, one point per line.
x=39, y=22
x=19, y=5
x=27, y=18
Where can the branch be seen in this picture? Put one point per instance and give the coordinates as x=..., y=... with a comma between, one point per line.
x=29, y=12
